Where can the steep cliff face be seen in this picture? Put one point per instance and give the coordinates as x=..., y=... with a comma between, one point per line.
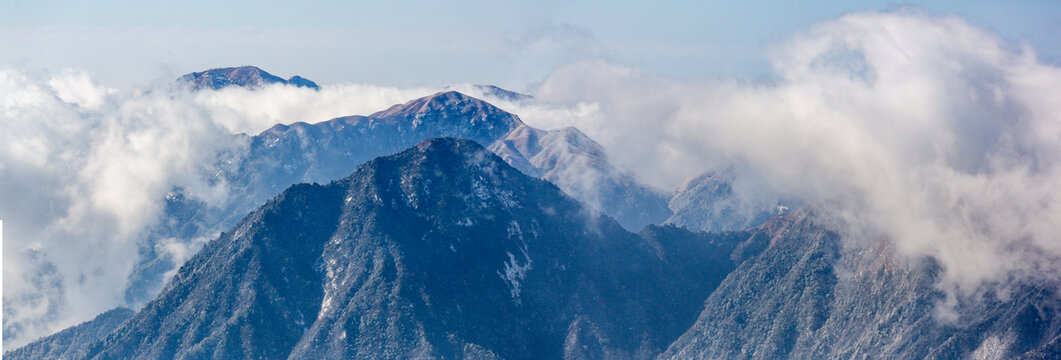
x=441, y=251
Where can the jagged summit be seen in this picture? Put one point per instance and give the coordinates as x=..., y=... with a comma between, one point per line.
x=454, y=114
x=246, y=76
x=447, y=104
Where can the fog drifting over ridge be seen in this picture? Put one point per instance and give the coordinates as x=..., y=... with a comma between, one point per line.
x=85, y=170
x=923, y=130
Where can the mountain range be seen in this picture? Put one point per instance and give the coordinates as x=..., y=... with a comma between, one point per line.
x=447, y=228
x=440, y=251
x=305, y=153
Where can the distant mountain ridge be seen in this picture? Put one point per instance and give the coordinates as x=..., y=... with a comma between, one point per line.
x=579, y=166
x=245, y=76
x=507, y=95
x=710, y=203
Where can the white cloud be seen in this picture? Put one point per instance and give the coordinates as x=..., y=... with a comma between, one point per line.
x=928, y=131
x=251, y=111
x=84, y=169
x=75, y=87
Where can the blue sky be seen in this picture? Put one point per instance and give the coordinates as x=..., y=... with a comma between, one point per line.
x=510, y=43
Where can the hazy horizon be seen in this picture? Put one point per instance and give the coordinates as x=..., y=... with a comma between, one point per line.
x=509, y=44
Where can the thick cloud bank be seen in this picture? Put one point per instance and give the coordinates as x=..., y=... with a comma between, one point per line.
x=84, y=170
x=925, y=131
